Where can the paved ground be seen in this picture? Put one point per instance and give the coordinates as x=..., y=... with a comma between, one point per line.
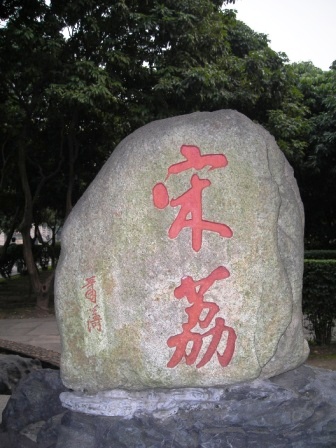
x=41, y=332
x=30, y=334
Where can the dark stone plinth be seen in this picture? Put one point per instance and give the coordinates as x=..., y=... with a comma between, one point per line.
x=295, y=409
x=12, y=369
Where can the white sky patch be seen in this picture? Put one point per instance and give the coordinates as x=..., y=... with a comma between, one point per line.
x=303, y=29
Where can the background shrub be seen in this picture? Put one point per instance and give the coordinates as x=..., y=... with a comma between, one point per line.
x=319, y=297
x=320, y=254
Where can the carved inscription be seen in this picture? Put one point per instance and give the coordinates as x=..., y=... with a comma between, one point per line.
x=194, y=292
x=194, y=345
x=190, y=203
x=94, y=321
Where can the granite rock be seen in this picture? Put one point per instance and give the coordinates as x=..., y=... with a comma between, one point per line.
x=201, y=209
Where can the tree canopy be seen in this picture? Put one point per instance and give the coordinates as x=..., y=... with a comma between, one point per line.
x=317, y=170
x=77, y=77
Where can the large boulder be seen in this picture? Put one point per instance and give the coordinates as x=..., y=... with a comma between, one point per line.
x=181, y=265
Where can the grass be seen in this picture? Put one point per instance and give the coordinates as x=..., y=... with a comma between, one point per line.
x=17, y=299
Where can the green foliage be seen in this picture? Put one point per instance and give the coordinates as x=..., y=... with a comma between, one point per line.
x=77, y=77
x=290, y=126
x=315, y=169
x=42, y=253
x=237, y=71
x=320, y=255
x=304, y=127
x=319, y=297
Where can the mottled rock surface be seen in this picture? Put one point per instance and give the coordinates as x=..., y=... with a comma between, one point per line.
x=198, y=211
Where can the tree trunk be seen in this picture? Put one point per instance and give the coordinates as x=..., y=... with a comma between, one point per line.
x=323, y=332
x=73, y=150
x=9, y=235
x=71, y=179
x=40, y=289
x=43, y=296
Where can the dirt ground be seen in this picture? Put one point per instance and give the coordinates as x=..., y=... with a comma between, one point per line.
x=323, y=356
x=18, y=302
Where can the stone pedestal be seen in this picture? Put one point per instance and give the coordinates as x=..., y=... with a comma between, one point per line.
x=294, y=409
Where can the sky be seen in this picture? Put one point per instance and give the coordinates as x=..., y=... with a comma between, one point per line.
x=303, y=29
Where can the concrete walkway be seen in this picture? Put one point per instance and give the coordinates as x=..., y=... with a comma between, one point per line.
x=41, y=332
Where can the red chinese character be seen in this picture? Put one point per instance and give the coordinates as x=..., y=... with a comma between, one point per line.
x=194, y=292
x=90, y=291
x=95, y=320
x=191, y=204
x=196, y=160
x=190, y=213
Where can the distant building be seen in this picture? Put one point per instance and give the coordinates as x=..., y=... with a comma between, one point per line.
x=45, y=231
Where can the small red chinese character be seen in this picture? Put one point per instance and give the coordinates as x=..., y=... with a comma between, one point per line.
x=90, y=293
x=194, y=292
x=95, y=320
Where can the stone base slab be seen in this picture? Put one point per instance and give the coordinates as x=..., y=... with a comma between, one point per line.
x=160, y=403
x=164, y=403
x=296, y=409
